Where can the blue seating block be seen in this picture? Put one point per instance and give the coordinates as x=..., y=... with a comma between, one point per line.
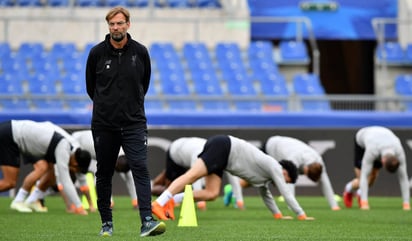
x=391, y=52
x=293, y=51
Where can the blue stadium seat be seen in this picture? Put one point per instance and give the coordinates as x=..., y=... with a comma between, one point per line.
x=241, y=88
x=7, y=3
x=170, y=88
x=73, y=88
x=293, y=51
x=266, y=66
x=39, y=88
x=43, y=64
x=31, y=48
x=73, y=78
x=215, y=105
x=16, y=76
x=274, y=88
x=5, y=48
x=391, y=52
x=15, y=65
x=403, y=87
x=63, y=49
x=73, y=64
x=41, y=85
x=409, y=53
x=307, y=84
x=113, y=3
x=89, y=3
x=316, y=105
x=201, y=65
x=79, y=104
x=178, y=3
x=234, y=77
x=208, y=88
x=14, y=104
x=48, y=104
x=137, y=3
x=204, y=76
x=260, y=50
x=310, y=85
x=11, y=87
x=403, y=84
x=29, y=3
x=227, y=50
x=248, y=105
x=196, y=50
x=153, y=105
x=169, y=66
x=233, y=65
x=176, y=77
x=182, y=105
x=58, y=3
x=208, y=3
x=197, y=56
x=162, y=50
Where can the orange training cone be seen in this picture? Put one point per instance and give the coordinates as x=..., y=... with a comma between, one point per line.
x=187, y=216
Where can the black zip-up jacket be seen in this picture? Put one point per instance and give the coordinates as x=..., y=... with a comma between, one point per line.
x=117, y=81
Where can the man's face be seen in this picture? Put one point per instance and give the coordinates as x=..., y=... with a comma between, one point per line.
x=118, y=27
x=286, y=175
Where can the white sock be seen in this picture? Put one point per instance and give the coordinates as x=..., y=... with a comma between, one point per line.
x=348, y=187
x=21, y=195
x=358, y=192
x=178, y=198
x=35, y=195
x=164, y=197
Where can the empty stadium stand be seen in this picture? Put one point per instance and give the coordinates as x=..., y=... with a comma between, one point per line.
x=193, y=77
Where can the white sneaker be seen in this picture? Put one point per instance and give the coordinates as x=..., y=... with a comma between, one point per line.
x=37, y=207
x=21, y=207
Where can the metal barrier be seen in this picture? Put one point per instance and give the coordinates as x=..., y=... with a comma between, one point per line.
x=295, y=103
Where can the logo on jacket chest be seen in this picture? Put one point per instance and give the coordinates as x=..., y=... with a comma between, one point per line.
x=107, y=64
x=134, y=57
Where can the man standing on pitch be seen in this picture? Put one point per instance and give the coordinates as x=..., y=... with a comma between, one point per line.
x=117, y=78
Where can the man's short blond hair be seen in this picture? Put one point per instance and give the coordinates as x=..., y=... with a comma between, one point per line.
x=116, y=10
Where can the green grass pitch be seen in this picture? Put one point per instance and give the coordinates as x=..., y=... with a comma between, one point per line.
x=385, y=221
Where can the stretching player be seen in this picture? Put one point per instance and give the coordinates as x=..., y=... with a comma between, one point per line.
x=376, y=147
x=50, y=181
x=242, y=159
x=51, y=151
x=306, y=159
x=85, y=139
x=181, y=155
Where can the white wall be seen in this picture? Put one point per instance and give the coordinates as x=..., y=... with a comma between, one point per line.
x=84, y=25
x=405, y=28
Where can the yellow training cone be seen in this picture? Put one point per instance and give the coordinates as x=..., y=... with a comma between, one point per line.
x=187, y=216
x=92, y=190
